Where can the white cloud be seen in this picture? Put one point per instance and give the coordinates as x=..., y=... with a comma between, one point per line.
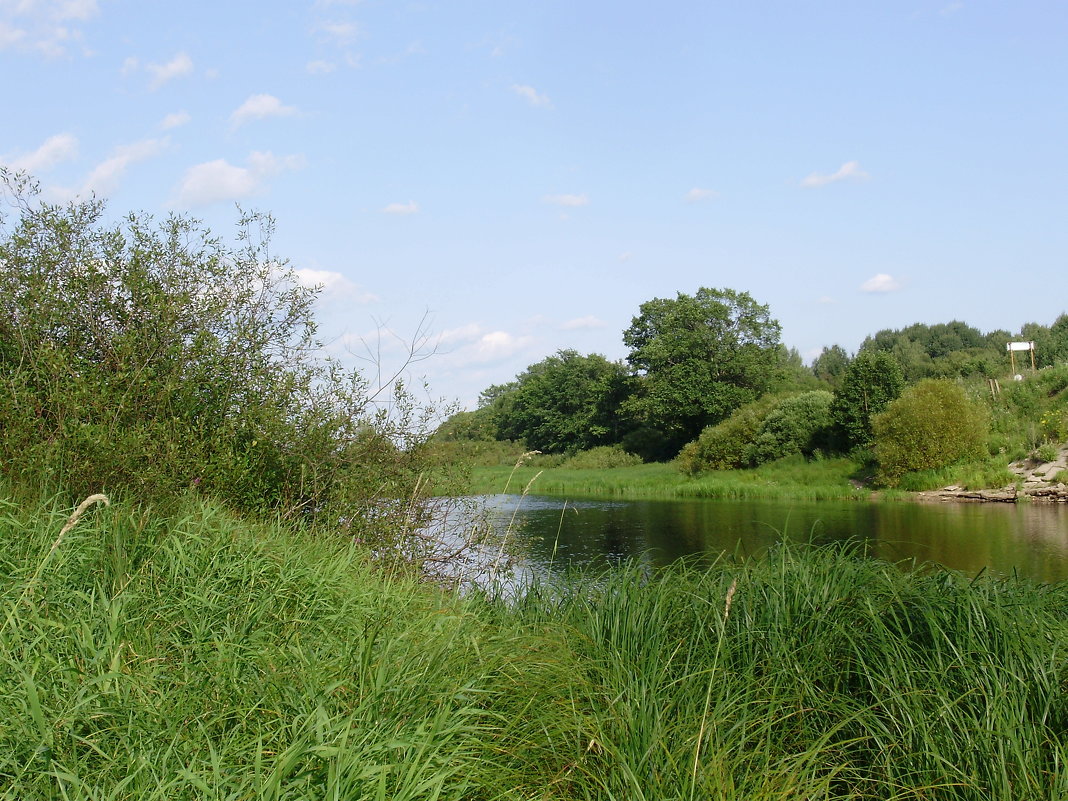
x=411, y=207
x=951, y=9
x=696, y=195
x=567, y=200
x=340, y=32
x=473, y=344
x=626, y=256
x=259, y=107
x=105, y=177
x=130, y=65
x=531, y=95
x=218, y=180
x=825, y=299
x=880, y=283
x=44, y=26
x=333, y=285
x=175, y=120
x=849, y=171
x=319, y=67
x=496, y=345
x=464, y=333
x=75, y=9
x=10, y=36
x=583, y=323
x=54, y=150
x=178, y=66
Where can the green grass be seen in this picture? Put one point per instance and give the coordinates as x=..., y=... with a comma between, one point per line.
x=196, y=656
x=792, y=478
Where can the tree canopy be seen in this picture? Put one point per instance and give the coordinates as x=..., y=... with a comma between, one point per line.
x=565, y=402
x=699, y=357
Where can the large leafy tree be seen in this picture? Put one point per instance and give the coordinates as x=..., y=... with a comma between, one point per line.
x=566, y=402
x=872, y=380
x=699, y=357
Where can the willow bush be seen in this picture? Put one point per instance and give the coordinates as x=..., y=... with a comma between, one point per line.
x=931, y=425
x=153, y=357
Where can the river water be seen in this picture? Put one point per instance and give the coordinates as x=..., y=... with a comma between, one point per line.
x=548, y=533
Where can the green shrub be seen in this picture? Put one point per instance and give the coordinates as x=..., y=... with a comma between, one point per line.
x=726, y=445
x=602, y=457
x=798, y=424
x=1046, y=452
x=152, y=358
x=931, y=425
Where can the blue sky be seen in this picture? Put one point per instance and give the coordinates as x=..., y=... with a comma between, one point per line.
x=511, y=178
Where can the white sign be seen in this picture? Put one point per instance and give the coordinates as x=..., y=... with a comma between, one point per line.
x=1019, y=346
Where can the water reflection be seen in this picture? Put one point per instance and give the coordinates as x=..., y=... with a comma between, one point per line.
x=1031, y=540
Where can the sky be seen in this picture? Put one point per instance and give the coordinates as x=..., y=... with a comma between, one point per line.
x=486, y=182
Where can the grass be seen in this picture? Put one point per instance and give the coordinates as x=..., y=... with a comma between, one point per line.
x=792, y=478
x=196, y=656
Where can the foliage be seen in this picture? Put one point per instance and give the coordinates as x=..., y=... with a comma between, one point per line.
x=799, y=424
x=931, y=425
x=792, y=478
x=727, y=444
x=465, y=426
x=566, y=402
x=151, y=357
x=699, y=357
x=869, y=383
x=603, y=457
x=830, y=365
x=970, y=475
x=198, y=656
x=945, y=349
x=1028, y=413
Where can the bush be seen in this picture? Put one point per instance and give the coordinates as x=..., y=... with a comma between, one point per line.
x=799, y=424
x=153, y=358
x=931, y=425
x=726, y=445
x=602, y=458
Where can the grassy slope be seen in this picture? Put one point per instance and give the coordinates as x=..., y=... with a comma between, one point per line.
x=792, y=479
x=200, y=657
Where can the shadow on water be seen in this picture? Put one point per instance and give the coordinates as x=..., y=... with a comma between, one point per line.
x=1029, y=540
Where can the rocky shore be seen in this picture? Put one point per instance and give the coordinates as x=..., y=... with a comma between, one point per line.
x=1037, y=482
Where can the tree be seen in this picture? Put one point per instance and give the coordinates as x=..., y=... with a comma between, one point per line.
x=831, y=365
x=931, y=425
x=871, y=381
x=699, y=357
x=566, y=402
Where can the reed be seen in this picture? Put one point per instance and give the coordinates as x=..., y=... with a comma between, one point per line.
x=196, y=656
x=788, y=479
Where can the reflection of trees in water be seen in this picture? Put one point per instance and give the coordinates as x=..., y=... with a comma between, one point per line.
x=1032, y=540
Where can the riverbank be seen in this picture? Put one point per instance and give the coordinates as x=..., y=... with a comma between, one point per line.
x=197, y=655
x=788, y=479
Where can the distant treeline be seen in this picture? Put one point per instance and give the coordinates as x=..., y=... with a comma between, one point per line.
x=708, y=376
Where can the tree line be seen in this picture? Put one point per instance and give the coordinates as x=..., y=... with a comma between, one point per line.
x=707, y=378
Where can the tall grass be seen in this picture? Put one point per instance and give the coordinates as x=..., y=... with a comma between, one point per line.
x=199, y=657
x=195, y=656
x=792, y=478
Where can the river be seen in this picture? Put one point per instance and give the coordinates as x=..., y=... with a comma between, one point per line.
x=1028, y=539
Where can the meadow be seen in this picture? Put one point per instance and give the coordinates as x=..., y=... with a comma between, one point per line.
x=194, y=654
x=793, y=478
